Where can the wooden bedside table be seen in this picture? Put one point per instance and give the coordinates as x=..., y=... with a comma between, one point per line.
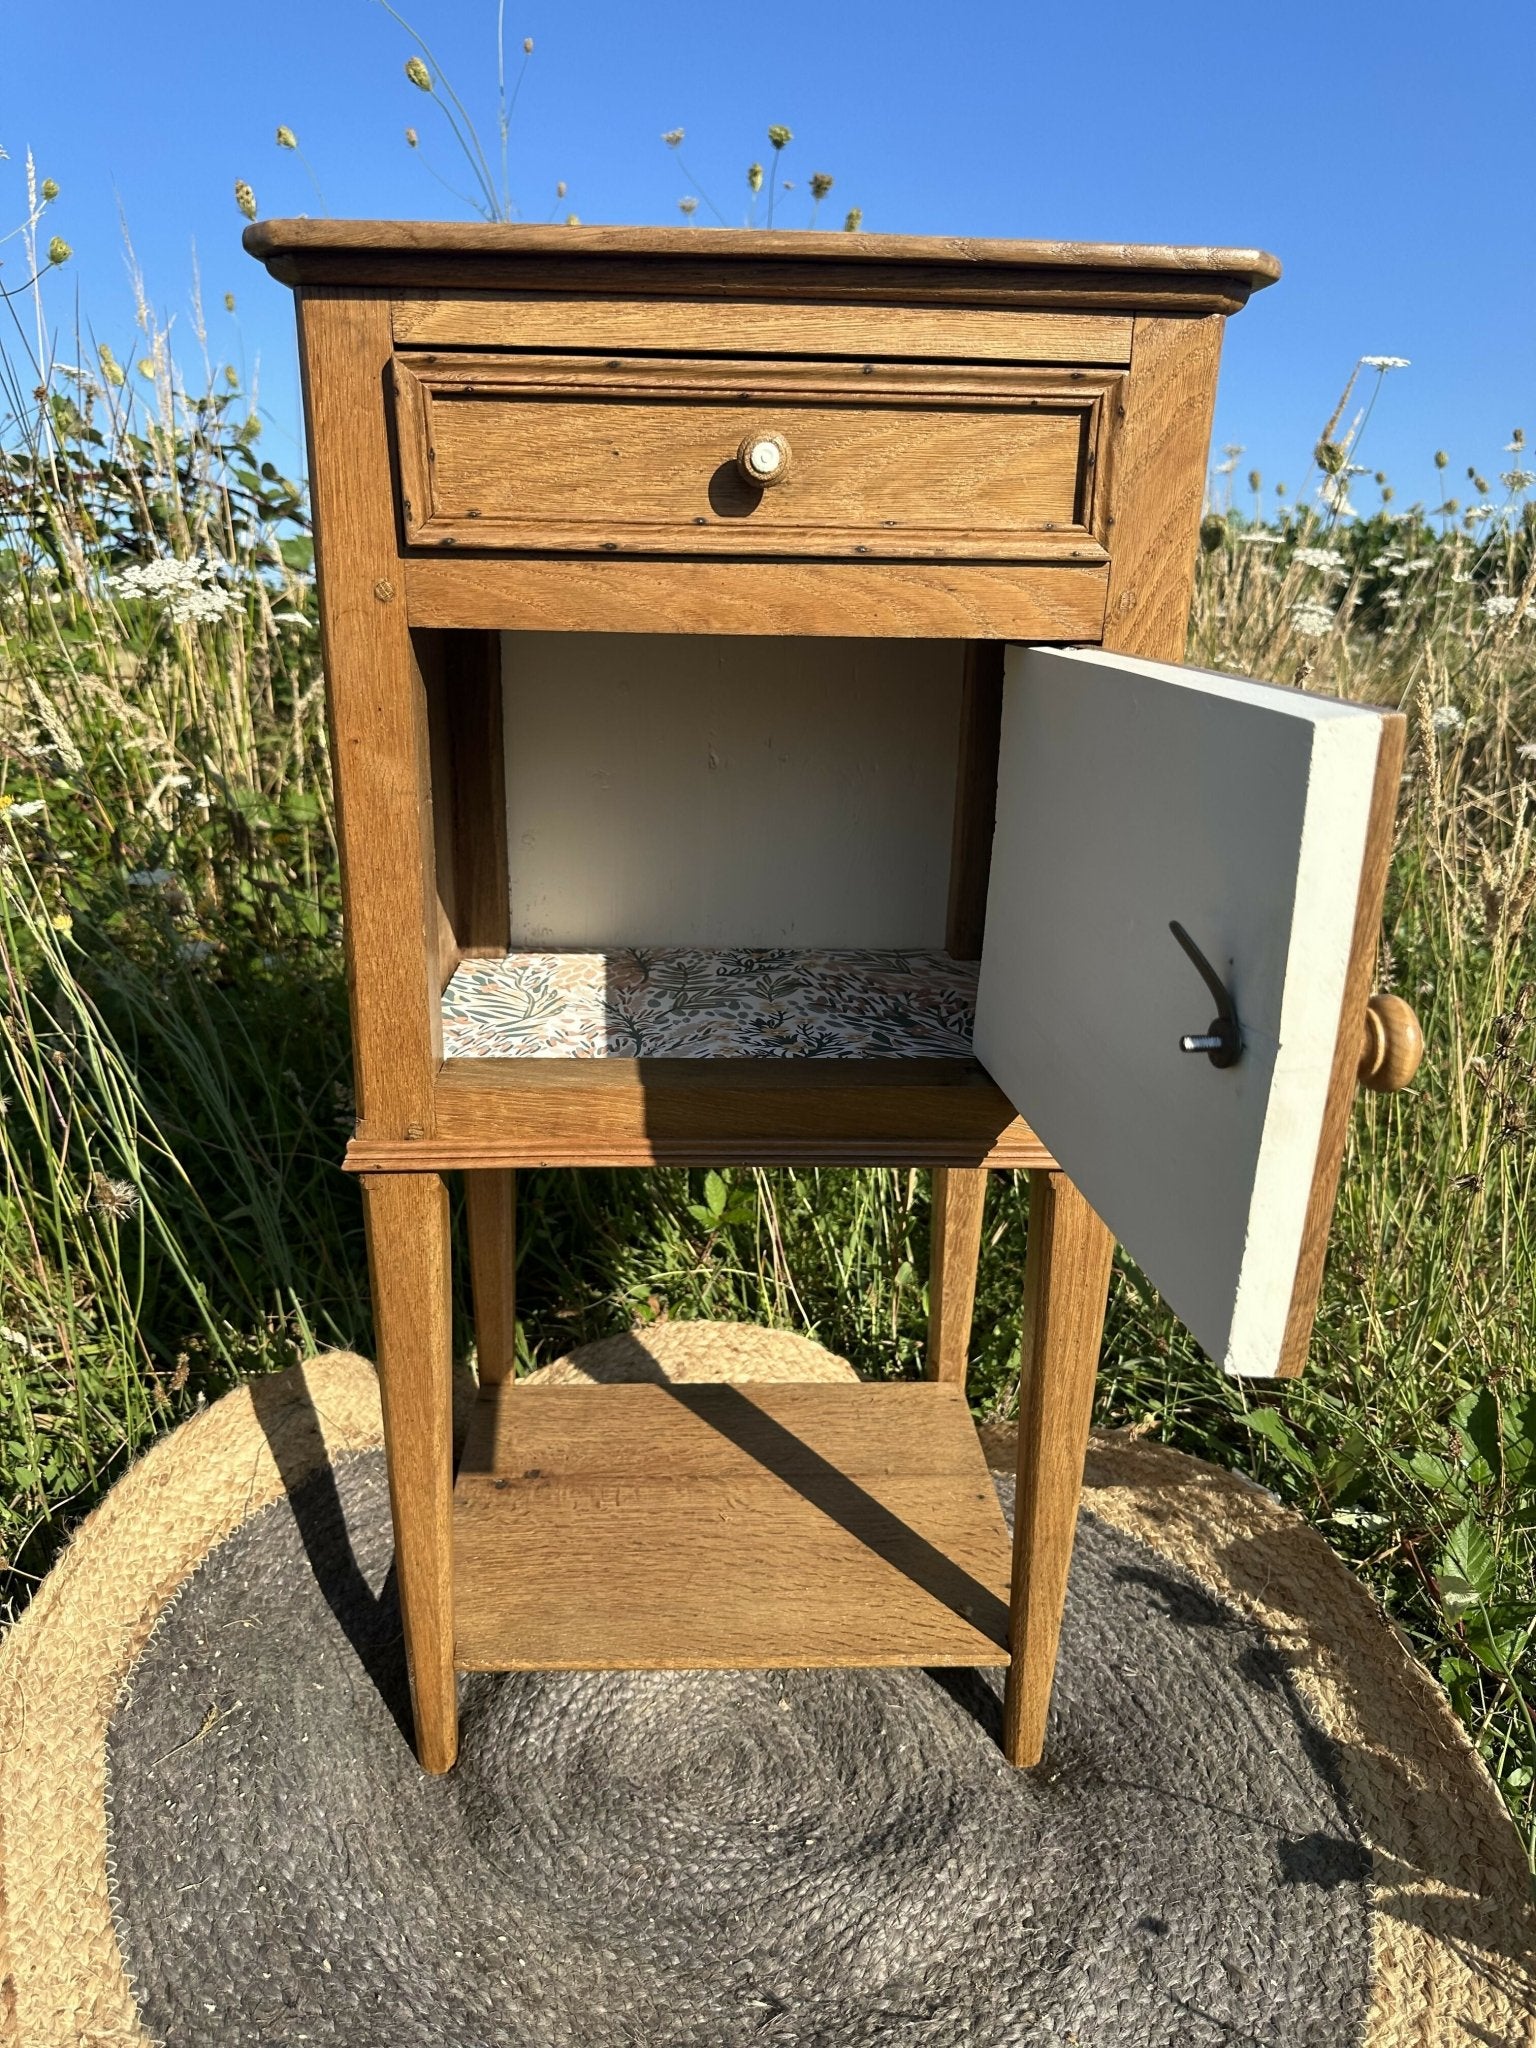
x=757, y=741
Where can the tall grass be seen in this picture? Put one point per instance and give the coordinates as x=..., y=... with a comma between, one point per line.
x=176, y=1068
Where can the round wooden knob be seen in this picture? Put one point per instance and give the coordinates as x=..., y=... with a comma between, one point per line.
x=763, y=459
x=1393, y=1047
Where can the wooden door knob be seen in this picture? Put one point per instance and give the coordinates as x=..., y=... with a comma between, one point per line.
x=763, y=459
x=1393, y=1045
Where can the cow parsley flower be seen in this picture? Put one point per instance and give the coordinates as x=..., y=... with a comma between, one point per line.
x=1500, y=607
x=187, y=590
x=1445, y=718
x=1318, y=558
x=1385, y=363
x=1311, y=620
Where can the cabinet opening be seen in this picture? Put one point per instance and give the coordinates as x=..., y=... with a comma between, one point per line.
x=717, y=847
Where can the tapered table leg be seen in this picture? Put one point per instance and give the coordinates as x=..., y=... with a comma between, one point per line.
x=408, y=1259
x=490, y=1201
x=1066, y=1283
x=959, y=1198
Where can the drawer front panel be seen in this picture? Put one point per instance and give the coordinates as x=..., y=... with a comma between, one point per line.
x=900, y=461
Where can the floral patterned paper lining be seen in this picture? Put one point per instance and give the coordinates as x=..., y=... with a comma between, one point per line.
x=694, y=1002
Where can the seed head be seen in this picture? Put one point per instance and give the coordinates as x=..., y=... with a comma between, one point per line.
x=573, y=220
x=1255, y=480
x=672, y=137
x=286, y=139
x=560, y=189
x=1279, y=490
x=145, y=367
x=527, y=46
x=245, y=199
x=821, y=184
x=1442, y=460
x=687, y=207
x=418, y=74
x=59, y=250
x=111, y=368
x=779, y=136
x=229, y=302
x=49, y=190
x=411, y=137
x=1512, y=446
x=114, y=1198
x=854, y=221
x=1480, y=485
x=755, y=177
x=230, y=377
x=1387, y=494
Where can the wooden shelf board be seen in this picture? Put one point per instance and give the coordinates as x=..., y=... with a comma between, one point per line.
x=688, y=1112
x=714, y=1527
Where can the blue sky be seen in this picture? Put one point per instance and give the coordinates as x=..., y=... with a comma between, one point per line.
x=1383, y=153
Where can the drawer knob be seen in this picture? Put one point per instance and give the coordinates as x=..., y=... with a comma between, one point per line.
x=1393, y=1045
x=763, y=459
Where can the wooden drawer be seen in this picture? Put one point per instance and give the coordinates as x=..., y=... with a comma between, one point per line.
x=902, y=461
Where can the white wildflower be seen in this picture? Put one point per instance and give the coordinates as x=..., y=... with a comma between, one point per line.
x=1462, y=576
x=1392, y=599
x=289, y=619
x=1259, y=539
x=1318, y=558
x=18, y=1340
x=1479, y=512
x=1500, y=607
x=1445, y=718
x=1517, y=479
x=1385, y=363
x=1420, y=562
x=1527, y=751
x=29, y=809
x=1334, y=492
x=188, y=590
x=1311, y=620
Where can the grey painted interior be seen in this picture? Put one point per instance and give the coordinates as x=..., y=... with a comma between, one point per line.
x=727, y=791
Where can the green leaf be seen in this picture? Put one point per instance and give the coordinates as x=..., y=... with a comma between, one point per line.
x=715, y=1192
x=1475, y=1419
x=1272, y=1426
x=1466, y=1572
x=1519, y=1444
x=1436, y=1473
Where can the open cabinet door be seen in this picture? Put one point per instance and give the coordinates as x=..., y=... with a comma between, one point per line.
x=1133, y=795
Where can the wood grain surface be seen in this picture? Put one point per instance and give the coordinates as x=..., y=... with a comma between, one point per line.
x=408, y=1264
x=761, y=327
x=708, y=1527
x=959, y=1202
x=888, y=600
x=376, y=703
x=639, y=454
x=490, y=1216
x=706, y=1112
x=1066, y=1281
x=713, y=263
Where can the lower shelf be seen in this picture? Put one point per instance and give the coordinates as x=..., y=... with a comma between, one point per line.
x=632, y=1528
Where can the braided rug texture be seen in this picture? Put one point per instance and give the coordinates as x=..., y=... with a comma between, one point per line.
x=1256, y=1821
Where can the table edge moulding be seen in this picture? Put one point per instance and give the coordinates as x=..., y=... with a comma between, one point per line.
x=442, y=364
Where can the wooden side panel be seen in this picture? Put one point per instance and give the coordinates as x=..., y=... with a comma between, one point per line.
x=970, y=862
x=1156, y=485
x=490, y=1211
x=380, y=744
x=761, y=327
x=887, y=600
x=1364, y=944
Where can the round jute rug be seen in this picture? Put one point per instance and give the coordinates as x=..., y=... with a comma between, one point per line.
x=1256, y=1822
